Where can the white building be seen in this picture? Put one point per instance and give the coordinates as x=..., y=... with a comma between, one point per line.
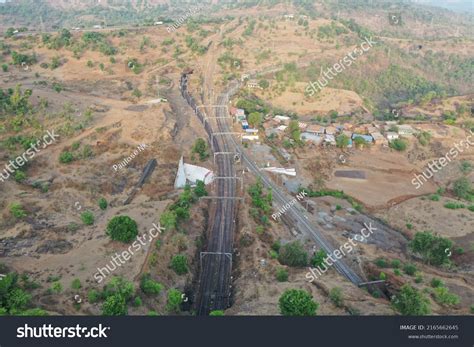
x=391, y=135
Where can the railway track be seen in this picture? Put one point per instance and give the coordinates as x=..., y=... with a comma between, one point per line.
x=214, y=288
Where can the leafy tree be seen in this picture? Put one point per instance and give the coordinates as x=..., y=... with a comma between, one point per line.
x=179, y=263
x=295, y=302
x=114, y=305
x=122, y=228
x=293, y=254
x=431, y=248
x=119, y=286
x=200, y=147
x=87, y=218
x=436, y=282
x=359, y=141
x=149, y=286
x=294, y=130
x=175, y=299
x=255, y=119
x=264, y=84
x=409, y=269
x=17, y=299
x=93, y=296
x=411, y=302
x=342, y=141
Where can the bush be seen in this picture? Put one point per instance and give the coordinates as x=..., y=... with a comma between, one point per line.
x=216, y=313
x=16, y=209
x=87, y=218
x=137, y=302
x=56, y=287
x=295, y=302
x=409, y=269
x=93, y=296
x=103, y=203
x=122, y=228
x=398, y=144
x=175, y=299
x=335, y=295
x=293, y=254
x=397, y=272
x=200, y=147
x=380, y=262
x=431, y=248
x=149, y=286
x=444, y=297
x=114, y=305
x=66, y=157
x=168, y=220
x=395, y=263
x=454, y=205
x=411, y=302
x=282, y=275
x=436, y=282
x=462, y=188
x=179, y=263
x=318, y=258
x=76, y=284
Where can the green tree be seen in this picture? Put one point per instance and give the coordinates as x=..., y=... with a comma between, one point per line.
x=318, y=258
x=282, y=275
x=342, y=141
x=335, y=294
x=200, y=148
x=293, y=254
x=179, y=263
x=66, y=157
x=444, y=297
x=294, y=130
x=264, y=84
x=122, y=228
x=200, y=189
x=255, y=119
x=295, y=302
x=411, y=302
x=398, y=144
x=16, y=209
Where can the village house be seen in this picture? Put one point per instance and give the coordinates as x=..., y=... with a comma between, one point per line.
x=253, y=84
x=302, y=125
x=378, y=138
x=405, y=129
x=315, y=129
x=312, y=138
x=331, y=130
x=367, y=138
x=391, y=136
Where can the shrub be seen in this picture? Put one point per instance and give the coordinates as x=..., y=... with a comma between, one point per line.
x=436, y=282
x=380, y=262
x=382, y=276
x=411, y=302
x=409, y=269
x=66, y=157
x=93, y=296
x=296, y=302
x=444, y=297
x=175, y=299
x=87, y=218
x=454, y=205
x=398, y=144
x=16, y=209
x=395, y=263
x=122, y=228
x=216, y=313
x=434, y=197
x=56, y=287
x=103, y=203
x=149, y=286
x=137, y=302
x=76, y=284
x=430, y=247
x=293, y=254
x=179, y=263
x=335, y=295
x=397, y=272
x=168, y=220
x=282, y=275
x=318, y=258
x=114, y=305
x=200, y=148
x=462, y=188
